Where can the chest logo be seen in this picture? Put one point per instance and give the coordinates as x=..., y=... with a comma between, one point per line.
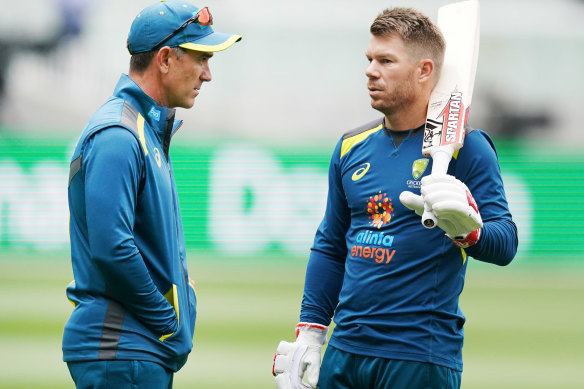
x=157, y=157
x=419, y=167
x=380, y=209
x=361, y=171
x=154, y=114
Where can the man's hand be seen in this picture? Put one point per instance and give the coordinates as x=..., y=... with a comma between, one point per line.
x=452, y=204
x=292, y=360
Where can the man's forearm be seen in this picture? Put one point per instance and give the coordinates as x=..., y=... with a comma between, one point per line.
x=324, y=278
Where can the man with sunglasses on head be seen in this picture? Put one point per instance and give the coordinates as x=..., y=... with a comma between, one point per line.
x=392, y=285
x=135, y=304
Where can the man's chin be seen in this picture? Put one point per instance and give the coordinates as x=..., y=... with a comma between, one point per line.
x=377, y=105
x=187, y=104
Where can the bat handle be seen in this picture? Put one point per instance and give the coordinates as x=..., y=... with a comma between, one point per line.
x=441, y=157
x=428, y=218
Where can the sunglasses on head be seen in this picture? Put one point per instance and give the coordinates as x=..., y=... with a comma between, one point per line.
x=203, y=17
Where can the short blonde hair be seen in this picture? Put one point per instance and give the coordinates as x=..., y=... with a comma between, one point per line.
x=422, y=37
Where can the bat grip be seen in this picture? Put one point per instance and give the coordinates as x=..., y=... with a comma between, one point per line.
x=440, y=159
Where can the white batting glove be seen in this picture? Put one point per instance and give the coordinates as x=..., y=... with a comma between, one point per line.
x=293, y=360
x=452, y=204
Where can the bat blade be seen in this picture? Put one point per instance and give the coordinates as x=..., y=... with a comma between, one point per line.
x=450, y=100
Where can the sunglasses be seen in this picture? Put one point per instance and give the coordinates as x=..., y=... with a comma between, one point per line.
x=203, y=17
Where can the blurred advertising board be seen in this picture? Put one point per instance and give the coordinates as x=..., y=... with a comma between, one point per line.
x=245, y=199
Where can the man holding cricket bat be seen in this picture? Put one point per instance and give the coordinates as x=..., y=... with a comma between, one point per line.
x=391, y=284
x=135, y=304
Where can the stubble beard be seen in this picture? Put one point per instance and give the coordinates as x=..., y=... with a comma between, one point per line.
x=402, y=95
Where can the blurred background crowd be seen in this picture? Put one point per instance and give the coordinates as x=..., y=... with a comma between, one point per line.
x=298, y=75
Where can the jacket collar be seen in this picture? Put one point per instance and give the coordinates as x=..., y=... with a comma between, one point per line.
x=158, y=117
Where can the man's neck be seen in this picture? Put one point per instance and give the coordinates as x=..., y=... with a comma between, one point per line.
x=404, y=123
x=149, y=87
x=407, y=118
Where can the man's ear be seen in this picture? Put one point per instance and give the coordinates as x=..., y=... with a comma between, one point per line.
x=426, y=70
x=162, y=59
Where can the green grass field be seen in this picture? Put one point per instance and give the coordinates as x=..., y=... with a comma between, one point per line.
x=525, y=326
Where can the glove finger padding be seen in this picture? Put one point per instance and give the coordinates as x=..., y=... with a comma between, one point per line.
x=453, y=205
x=289, y=366
x=295, y=360
x=311, y=362
x=412, y=201
x=416, y=203
x=461, y=220
x=282, y=359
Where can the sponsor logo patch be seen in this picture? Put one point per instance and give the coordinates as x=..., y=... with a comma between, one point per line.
x=418, y=168
x=157, y=157
x=380, y=209
x=359, y=173
x=373, y=244
x=154, y=114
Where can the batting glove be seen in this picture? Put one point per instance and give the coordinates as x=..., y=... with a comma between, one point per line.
x=293, y=360
x=452, y=203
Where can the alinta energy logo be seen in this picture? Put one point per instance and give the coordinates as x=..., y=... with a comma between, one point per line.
x=380, y=209
x=372, y=245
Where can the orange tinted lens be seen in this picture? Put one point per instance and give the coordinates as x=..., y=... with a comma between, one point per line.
x=205, y=18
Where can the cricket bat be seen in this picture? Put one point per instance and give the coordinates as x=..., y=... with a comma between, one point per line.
x=451, y=97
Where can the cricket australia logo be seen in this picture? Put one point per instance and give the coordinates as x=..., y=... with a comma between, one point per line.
x=418, y=168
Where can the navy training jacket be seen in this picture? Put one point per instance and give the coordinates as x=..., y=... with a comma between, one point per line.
x=132, y=296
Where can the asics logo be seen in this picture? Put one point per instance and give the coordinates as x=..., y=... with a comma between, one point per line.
x=361, y=171
x=157, y=157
